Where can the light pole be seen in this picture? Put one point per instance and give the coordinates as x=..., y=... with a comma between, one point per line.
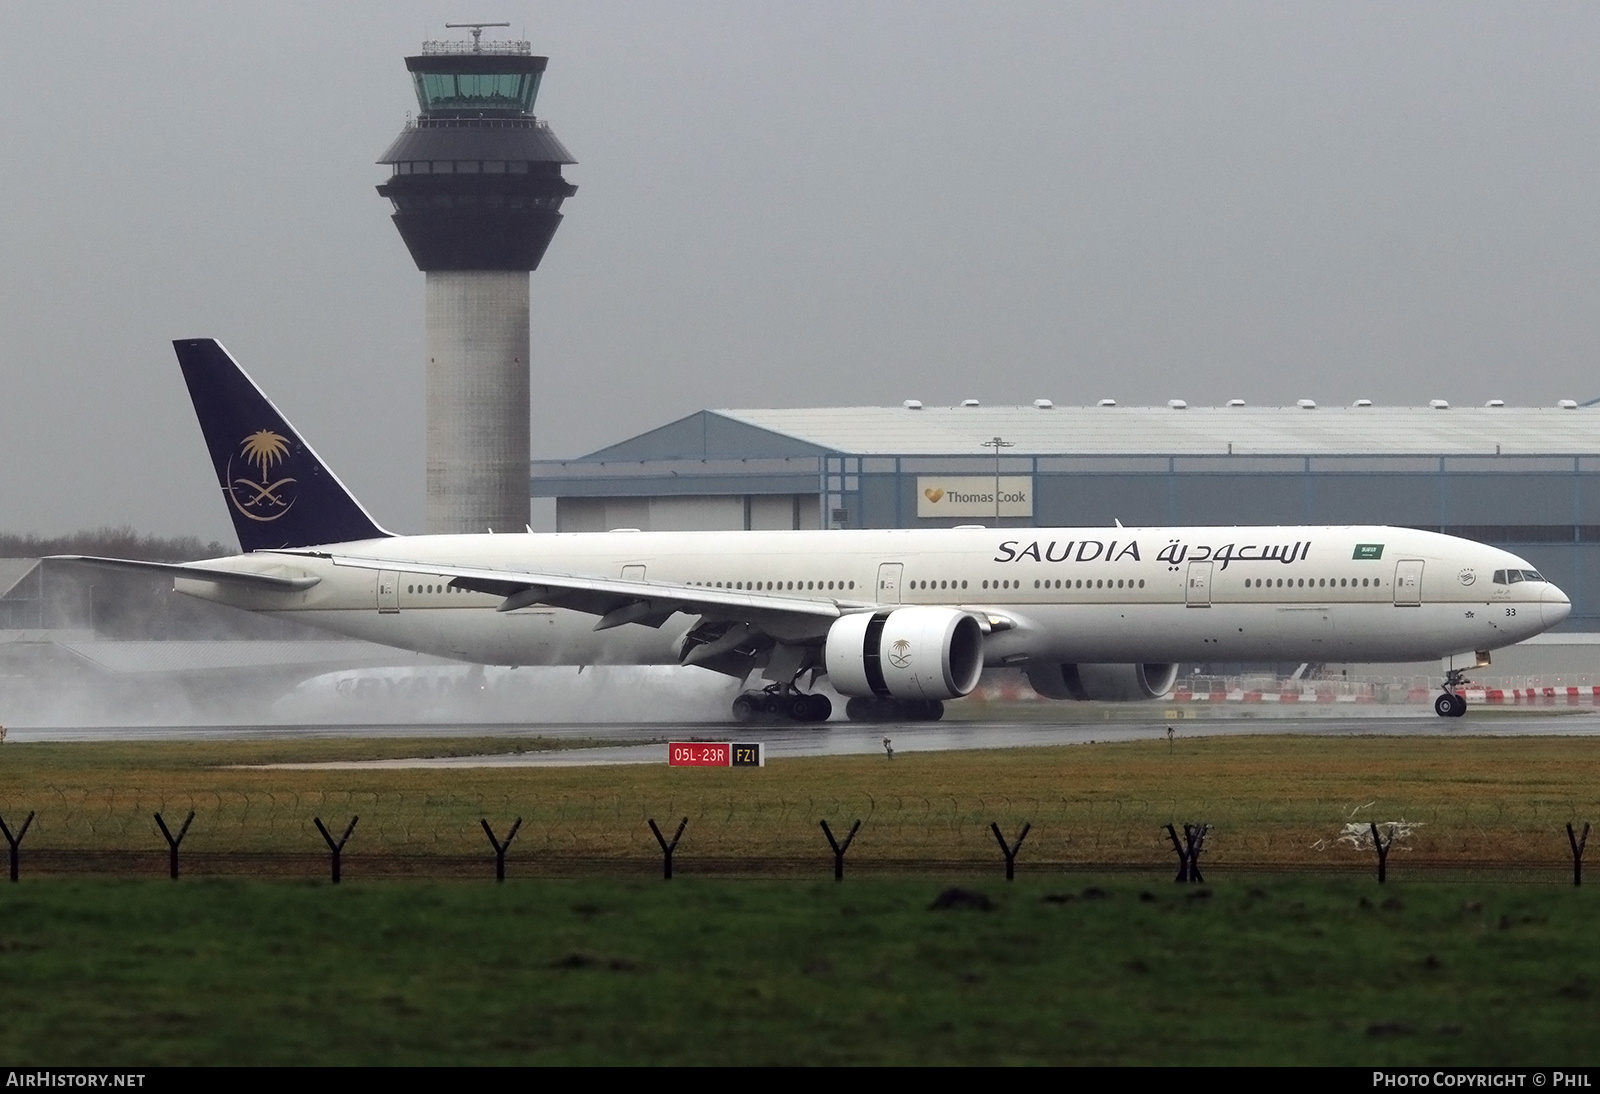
x=997, y=444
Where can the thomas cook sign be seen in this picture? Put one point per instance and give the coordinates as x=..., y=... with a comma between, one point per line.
x=973, y=496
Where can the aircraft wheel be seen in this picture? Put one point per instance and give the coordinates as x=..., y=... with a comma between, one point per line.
x=797, y=707
x=863, y=709
x=744, y=709
x=821, y=708
x=1460, y=707
x=935, y=710
x=773, y=705
x=1445, y=706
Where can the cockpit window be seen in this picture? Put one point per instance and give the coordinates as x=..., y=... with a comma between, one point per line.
x=1531, y=575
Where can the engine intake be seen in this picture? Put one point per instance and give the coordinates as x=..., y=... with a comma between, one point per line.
x=905, y=653
x=1106, y=683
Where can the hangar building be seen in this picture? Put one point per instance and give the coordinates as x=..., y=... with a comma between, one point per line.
x=1523, y=478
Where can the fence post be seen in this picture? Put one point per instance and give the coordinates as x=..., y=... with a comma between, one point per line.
x=335, y=848
x=16, y=840
x=1383, y=850
x=1195, y=836
x=1577, y=842
x=1183, y=856
x=668, y=848
x=500, y=848
x=1188, y=851
x=839, y=848
x=173, y=841
x=1007, y=849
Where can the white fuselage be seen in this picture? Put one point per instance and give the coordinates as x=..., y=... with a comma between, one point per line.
x=1070, y=595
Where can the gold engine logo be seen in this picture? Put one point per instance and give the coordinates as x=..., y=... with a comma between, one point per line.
x=900, y=653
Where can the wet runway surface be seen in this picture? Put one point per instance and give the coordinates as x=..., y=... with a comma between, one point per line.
x=847, y=738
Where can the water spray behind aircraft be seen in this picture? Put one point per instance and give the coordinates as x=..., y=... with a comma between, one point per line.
x=492, y=694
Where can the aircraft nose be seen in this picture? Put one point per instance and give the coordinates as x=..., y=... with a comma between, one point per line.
x=1554, y=606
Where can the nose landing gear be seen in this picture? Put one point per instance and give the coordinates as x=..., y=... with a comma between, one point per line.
x=1452, y=704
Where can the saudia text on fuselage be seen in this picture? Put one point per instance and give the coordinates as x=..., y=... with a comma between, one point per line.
x=1174, y=554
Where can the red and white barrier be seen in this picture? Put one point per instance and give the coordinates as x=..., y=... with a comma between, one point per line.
x=1215, y=691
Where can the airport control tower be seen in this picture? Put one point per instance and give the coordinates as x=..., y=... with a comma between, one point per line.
x=477, y=189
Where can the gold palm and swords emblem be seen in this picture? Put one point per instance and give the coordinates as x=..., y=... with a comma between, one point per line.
x=268, y=499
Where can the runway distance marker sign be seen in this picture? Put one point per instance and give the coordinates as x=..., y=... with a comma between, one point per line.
x=717, y=754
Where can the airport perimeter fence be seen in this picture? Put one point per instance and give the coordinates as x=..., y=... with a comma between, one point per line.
x=418, y=835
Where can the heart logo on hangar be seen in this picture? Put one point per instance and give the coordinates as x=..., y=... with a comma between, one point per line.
x=933, y=494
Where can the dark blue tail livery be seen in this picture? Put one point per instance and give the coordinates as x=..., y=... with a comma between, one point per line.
x=278, y=491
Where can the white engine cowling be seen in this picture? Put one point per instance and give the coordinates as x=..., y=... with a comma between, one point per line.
x=905, y=653
x=1106, y=683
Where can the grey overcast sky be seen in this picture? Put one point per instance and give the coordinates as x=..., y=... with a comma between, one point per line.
x=789, y=204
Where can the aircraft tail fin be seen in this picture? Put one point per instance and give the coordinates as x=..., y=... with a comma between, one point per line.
x=279, y=492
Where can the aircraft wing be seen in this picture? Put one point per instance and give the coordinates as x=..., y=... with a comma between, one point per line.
x=617, y=601
x=242, y=578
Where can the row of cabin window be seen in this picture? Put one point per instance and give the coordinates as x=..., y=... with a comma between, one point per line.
x=1499, y=577
x=780, y=586
x=1316, y=583
x=1087, y=584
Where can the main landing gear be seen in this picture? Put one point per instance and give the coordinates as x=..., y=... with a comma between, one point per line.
x=894, y=710
x=1452, y=704
x=781, y=705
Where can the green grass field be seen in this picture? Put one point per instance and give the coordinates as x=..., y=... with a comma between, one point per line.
x=1250, y=970
x=1274, y=802
x=1478, y=950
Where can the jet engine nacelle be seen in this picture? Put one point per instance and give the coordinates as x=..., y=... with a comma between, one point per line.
x=1106, y=683
x=905, y=653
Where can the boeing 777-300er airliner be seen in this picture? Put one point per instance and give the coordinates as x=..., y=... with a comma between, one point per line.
x=898, y=620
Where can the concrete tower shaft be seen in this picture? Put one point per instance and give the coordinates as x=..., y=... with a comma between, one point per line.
x=477, y=189
x=477, y=376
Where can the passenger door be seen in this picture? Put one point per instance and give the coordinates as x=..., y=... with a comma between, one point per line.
x=1408, y=583
x=388, y=592
x=889, y=582
x=1197, y=591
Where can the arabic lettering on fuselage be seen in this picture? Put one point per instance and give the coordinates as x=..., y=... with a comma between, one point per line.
x=1174, y=554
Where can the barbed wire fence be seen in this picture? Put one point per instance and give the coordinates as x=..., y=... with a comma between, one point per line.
x=421, y=833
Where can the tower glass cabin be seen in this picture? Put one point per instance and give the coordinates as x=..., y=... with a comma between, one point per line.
x=476, y=179
x=476, y=186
